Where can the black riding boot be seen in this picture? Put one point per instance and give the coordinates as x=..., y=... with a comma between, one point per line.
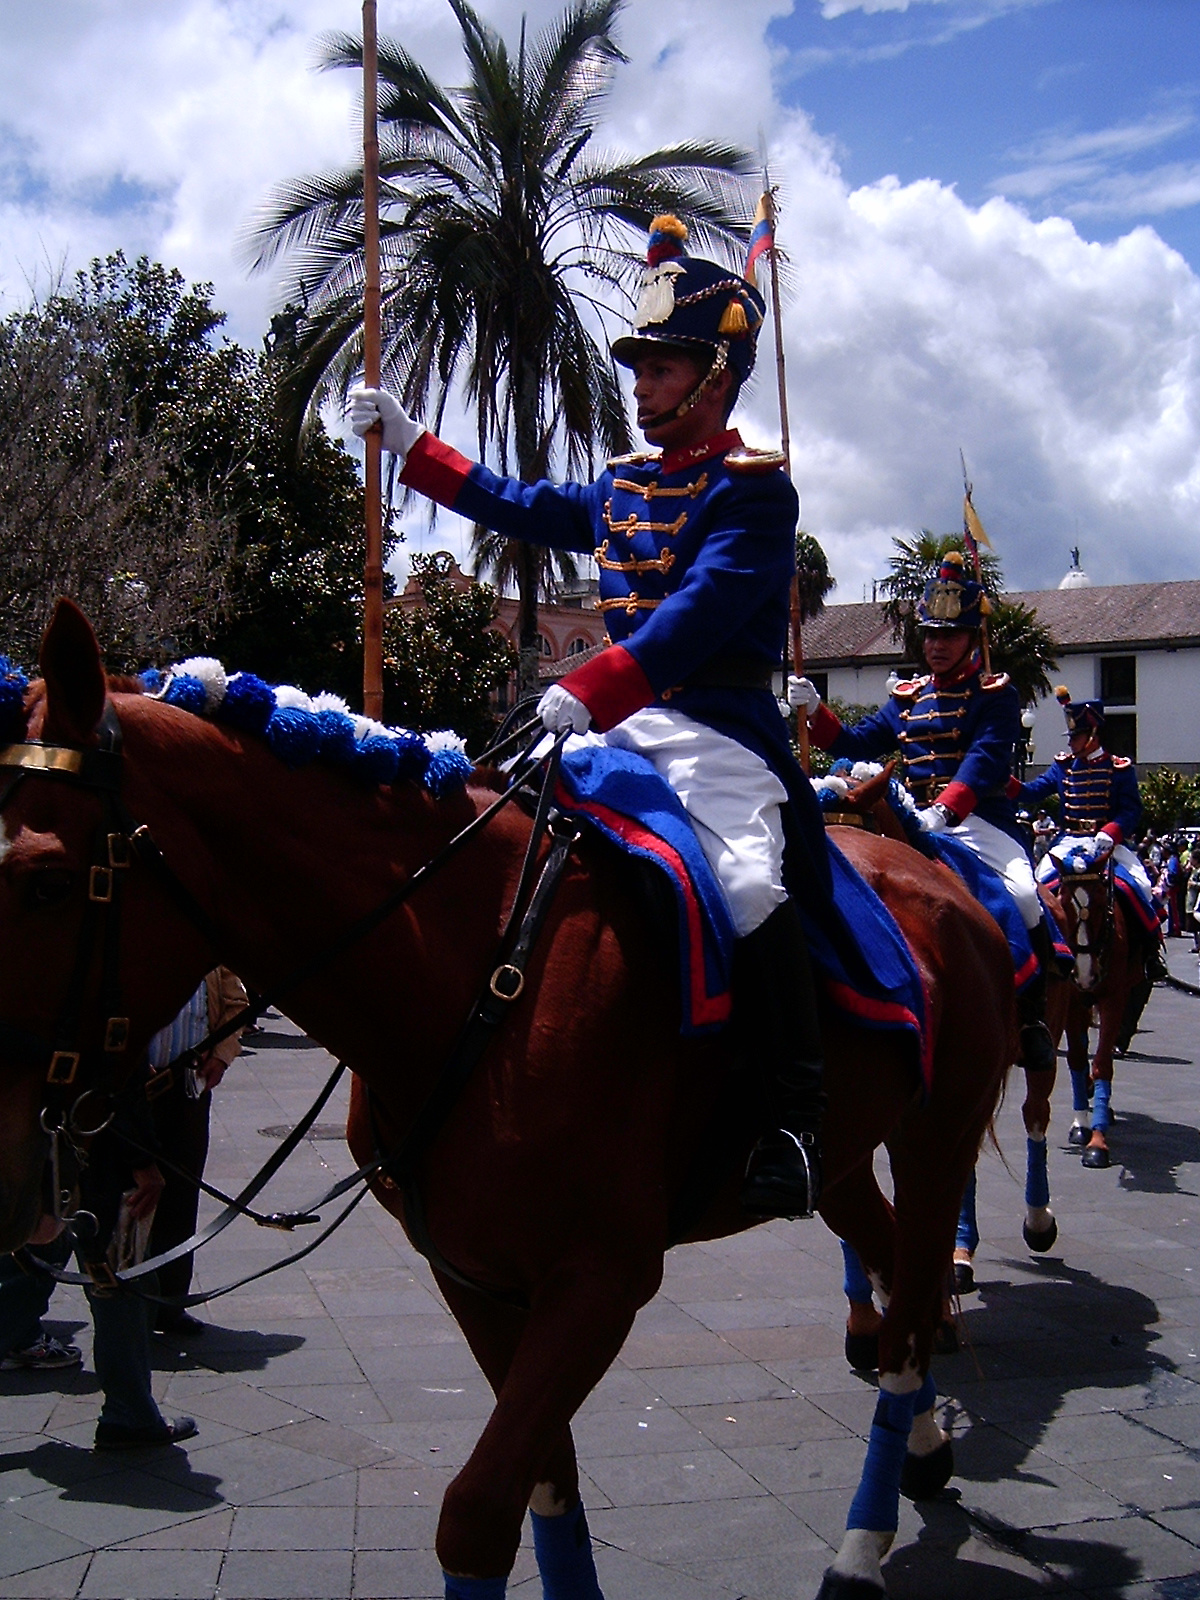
x=1037, y=1047
x=776, y=1008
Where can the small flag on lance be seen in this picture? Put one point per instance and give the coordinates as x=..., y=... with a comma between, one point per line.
x=973, y=537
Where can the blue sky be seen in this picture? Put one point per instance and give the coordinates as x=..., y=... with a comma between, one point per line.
x=991, y=208
x=1084, y=108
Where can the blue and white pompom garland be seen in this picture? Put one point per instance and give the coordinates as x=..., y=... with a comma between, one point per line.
x=13, y=684
x=300, y=728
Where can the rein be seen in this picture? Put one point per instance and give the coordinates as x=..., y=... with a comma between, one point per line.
x=120, y=840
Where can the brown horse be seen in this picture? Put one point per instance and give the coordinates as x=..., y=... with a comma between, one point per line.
x=1107, y=968
x=555, y=1170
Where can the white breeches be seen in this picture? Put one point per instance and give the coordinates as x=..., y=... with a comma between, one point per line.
x=733, y=800
x=1047, y=866
x=1004, y=855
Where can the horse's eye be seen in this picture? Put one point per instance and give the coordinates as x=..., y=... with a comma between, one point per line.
x=49, y=887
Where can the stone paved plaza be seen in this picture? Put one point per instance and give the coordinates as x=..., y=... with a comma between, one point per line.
x=337, y=1399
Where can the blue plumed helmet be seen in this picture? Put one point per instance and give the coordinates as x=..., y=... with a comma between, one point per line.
x=951, y=598
x=695, y=305
x=1083, y=716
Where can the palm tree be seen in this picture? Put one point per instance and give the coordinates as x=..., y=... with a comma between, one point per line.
x=503, y=237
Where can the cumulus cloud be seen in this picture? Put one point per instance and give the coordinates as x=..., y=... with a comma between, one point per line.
x=915, y=323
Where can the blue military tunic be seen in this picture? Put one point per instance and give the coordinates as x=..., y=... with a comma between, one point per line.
x=696, y=551
x=1093, y=792
x=957, y=737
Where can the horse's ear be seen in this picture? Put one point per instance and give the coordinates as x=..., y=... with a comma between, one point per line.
x=74, y=674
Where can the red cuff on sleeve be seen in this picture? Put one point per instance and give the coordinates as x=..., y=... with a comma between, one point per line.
x=612, y=686
x=1114, y=831
x=959, y=798
x=435, y=469
x=1012, y=788
x=824, y=727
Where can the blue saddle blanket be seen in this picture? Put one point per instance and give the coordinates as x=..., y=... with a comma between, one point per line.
x=860, y=953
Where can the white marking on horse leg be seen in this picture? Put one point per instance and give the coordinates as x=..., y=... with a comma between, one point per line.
x=881, y=1293
x=1036, y=1131
x=906, y=1381
x=926, y=1435
x=861, y=1555
x=544, y=1500
x=1038, y=1218
x=5, y=841
x=1082, y=1119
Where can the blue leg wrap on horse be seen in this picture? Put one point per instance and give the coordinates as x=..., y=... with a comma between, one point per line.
x=563, y=1548
x=1037, y=1179
x=1100, y=1103
x=967, y=1237
x=1079, y=1091
x=475, y=1588
x=856, y=1283
x=876, y=1503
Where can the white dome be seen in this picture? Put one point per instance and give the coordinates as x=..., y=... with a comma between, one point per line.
x=1077, y=578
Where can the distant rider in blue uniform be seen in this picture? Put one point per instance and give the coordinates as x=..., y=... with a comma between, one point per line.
x=695, y=542
x=1099, y=809
x=957, y=729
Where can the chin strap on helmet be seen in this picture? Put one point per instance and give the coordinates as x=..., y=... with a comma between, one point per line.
x=719, y=362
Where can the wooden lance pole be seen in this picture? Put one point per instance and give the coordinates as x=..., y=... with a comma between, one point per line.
x=785, y=445
x=373, y=465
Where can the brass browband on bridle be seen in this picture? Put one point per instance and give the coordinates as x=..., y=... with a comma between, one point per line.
x=42, y=757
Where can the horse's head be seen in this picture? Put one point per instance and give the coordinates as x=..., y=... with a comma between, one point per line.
x=1086, y=899
x=67, y=989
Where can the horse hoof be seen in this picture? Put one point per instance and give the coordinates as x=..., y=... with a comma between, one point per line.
x=922, y=1477
x=1096, y=1157
x=964, y=1278
x=1078, y=1137
x=945, y=1339
x=836, y=1587
x=1041, y=1242
x=862, y=1352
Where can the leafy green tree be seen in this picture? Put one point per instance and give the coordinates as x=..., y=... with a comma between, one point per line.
x=442, y=660
x=1170, y=799
x=148, y=475
x=503, y=234
x=1020, y=645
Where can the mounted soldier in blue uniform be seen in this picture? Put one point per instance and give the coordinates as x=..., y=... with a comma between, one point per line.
x=695, y=542
x=957, y=728
x=1099, y=808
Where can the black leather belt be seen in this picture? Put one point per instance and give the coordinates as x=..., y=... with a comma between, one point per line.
x=728, y=672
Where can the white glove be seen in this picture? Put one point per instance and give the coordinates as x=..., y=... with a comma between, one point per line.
x=1102, y=845
x=369, y=406
x=932, y=819
x=563, y=712
x=800, y=692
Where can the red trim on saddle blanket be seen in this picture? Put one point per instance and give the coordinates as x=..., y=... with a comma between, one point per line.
x=435, y=469
x=612, y=686
x=889, y=1014
x=707, y=1011
x=1029, y=970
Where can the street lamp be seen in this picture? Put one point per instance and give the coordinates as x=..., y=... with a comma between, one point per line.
x=1028, y=718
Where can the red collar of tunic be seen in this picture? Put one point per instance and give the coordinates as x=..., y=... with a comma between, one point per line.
x=718, y=444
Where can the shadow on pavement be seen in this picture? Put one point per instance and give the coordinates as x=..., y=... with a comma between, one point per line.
x=106, y=1480
x=222, y=1350
x=1150, y=1152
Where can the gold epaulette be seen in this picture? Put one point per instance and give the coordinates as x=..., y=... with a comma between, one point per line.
x=994, y=680
x=1122, y=761
x=639, y=458
x=913, y=686
x=746, y=460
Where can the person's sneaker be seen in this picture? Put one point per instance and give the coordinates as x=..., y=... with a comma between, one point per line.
x=109, y=1436
x=46, y=1354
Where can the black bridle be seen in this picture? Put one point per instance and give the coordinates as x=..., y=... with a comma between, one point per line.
x=76, y=1074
